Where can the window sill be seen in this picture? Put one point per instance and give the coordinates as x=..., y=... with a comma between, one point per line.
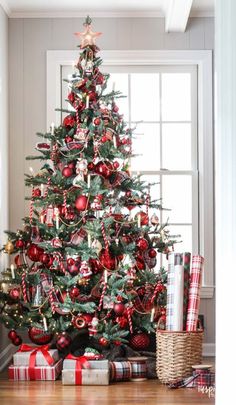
x=207, y=292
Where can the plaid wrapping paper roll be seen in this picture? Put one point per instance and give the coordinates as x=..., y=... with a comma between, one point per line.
x=120, y=370
x=194, y=293
x=186, y=263
x=43, y=373
x=204, y=378
x=170, y=292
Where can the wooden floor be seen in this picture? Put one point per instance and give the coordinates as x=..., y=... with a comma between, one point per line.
x=149, y=392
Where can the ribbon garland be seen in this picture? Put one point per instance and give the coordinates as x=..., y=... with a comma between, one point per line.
x=32, y=359
x=80, y=362
x=24, y=289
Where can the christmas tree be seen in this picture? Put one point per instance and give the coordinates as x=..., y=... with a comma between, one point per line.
x=84, y=262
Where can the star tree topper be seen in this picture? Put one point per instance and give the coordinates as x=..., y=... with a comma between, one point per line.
x=88, y=37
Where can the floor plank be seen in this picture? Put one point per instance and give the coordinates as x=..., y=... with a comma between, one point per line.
x=149, y=392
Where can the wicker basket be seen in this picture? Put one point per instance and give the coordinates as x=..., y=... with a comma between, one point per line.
x=176, y=353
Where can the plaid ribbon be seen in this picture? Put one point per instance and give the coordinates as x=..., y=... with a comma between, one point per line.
x=194, y=293
x=120, y=370
x=201, y=378
x=139, y=369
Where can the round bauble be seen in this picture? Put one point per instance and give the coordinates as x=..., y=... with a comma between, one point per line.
x=104, y=169
x=67, y=171
x=34, y=252
x=152, y=253
x=74, y=292
x=39, y=336
x=100, y=79
x=116, y=165
x=9, y=247
x=14, y=294
x=154, y=219
x=140, y=341
x=20, y=244
x=12, y=334
x=70, y=261
x=71, y=165
x=104, y=139
x=81, y=203
x=144, y=219
x=45, y=258
x=140, y=264
x=63, y=341
x=150, y=261
x=74, y=268
x=97, y=121
x=91, y=166
x=107, y=260
x=103, y=341
x=68, y=139
x=115, y=108
x=37, y=192
x=69, y=121
x=122, y=321
x=95, y=265
x=71, y=97
x=118, y=308
x=142, y=244
x=17, y=341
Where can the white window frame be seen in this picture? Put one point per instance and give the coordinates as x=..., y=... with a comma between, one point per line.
x=203, y=60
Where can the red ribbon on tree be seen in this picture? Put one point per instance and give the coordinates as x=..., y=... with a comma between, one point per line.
x=32, y=360
x=81, y=362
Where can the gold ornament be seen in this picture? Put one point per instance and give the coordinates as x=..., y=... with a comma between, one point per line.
x=9, y=247
x=88, y=37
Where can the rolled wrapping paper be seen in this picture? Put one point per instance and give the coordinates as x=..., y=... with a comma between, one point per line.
x=194, y=293
x=120, y=370
x=186, y=263
x=175, y=293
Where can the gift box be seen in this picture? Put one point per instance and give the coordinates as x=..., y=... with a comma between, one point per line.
x=120, y=370
x=39, y=373
x=43, y=355
x=80, y=371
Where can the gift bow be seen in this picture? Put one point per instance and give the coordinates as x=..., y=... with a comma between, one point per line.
x=32, y=359
x=80, y=362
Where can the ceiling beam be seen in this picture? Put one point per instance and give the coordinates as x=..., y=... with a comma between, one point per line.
x=177, y=14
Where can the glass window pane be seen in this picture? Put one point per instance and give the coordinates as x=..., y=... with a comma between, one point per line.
x=176, y=97
x=185, y=239
x=176, y=146
x=145, y=103
x=177, y=196
x=120, y=82
x=154, y=188
x=146, y=141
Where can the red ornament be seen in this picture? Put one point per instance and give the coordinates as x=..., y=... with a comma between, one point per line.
x=88, y=318
x=37, y=192
x=119, y=308
x=115, y=108
x=140, y=264
x=17, y=341
x=122, y=321
x=34, y=252
x=81, y=203
x=14, y=294
x=104, y=169
x=91, y=166
x=97, y=121
x=152, y=253
x=67, y=171
x=142, y=244
x=140, y=341
x=104, y=139
x=71, y=165
x=74, y=268
x=107, y=260
x=39, y=336
x=69, y=121
x=74, y=292
x=116, y=165
x=103, y=341
x=20, y=244
x=117, y=342
x=71, y=97
x=143, y=217
x=95, y=265
x=100, y=79
x=12, y=334
x=68, y=139
x=63, y=341
x=79, y=322
x=45, y=258
x=70, y=261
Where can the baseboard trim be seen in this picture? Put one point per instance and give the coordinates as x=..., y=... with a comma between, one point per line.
x=6, y=355
x=209, y=349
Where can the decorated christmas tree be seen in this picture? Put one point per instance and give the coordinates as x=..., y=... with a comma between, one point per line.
x=85, y=260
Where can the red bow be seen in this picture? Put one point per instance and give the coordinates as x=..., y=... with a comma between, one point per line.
x=32, y=359
x=81, y=362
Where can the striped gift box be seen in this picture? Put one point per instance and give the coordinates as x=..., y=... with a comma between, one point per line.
x=120, y=370
x=39, y=373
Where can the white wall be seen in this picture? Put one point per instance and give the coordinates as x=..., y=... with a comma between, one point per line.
x=4, y=205
x=29, y=39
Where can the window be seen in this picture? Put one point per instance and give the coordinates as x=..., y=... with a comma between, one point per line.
x=170, y=91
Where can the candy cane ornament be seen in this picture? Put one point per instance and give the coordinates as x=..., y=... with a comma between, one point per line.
x=64, y=202
x=102, y=296
x=31, y=206
x=104, y=236
x=24, y=289
x=47, y=188
x=51, y=300
x=130, y=320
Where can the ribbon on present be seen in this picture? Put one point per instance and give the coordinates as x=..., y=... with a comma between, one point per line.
x=32, y=359
x=80, y=362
